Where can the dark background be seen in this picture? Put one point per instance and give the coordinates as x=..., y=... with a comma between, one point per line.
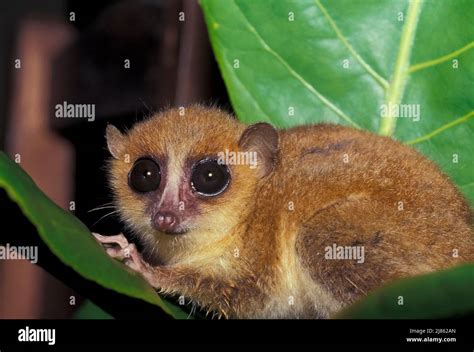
x=75, y=51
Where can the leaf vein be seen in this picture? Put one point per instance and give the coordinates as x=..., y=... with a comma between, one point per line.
x=442, y=128
x=238, y=80
x=251, y=95
x=382, y=81
x=441, y=59
x=305, y=83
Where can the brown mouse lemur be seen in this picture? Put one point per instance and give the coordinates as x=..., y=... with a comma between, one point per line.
x=254, y=222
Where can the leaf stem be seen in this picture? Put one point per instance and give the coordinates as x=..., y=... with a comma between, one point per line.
x=400, y=75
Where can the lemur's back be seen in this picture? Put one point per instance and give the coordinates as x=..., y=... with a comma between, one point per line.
x=356, y=194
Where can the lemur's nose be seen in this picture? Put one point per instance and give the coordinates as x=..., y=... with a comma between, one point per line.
x=165, y=221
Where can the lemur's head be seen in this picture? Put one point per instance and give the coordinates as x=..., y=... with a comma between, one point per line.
x=185, y=178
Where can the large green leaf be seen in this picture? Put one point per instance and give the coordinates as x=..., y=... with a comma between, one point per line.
x=71, y=241
x=309, y=61
x=440, y=295
x=280, y=57
x=89, y=310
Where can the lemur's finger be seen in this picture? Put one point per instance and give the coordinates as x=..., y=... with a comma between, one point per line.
x=119, y=239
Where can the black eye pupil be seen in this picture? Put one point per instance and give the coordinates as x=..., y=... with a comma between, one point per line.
x=145, y=176
x=209, y=178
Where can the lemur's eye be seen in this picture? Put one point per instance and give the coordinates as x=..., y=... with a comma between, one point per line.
x=145, y=176
x=209, y=178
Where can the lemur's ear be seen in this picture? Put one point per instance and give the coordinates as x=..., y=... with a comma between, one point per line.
x=115, y=141
x=263, y=139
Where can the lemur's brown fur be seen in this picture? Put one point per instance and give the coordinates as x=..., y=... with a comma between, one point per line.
x=258, y=249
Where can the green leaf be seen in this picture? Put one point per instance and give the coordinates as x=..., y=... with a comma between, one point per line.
x=449, y=293
x=89, y=310
x=71, y=241
x=397, y=52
